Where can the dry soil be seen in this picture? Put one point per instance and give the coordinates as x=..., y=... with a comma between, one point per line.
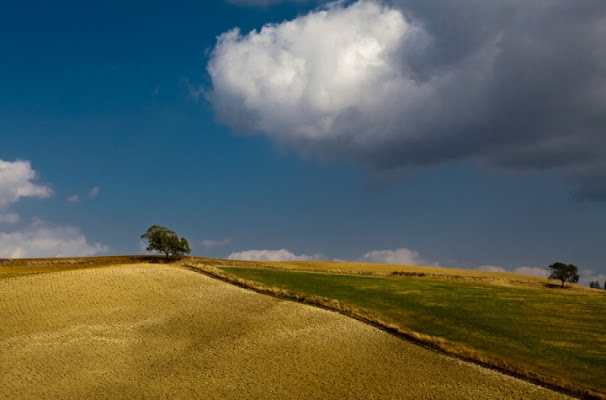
x=161, y=331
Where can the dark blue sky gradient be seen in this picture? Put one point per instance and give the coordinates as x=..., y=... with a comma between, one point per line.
x=100, y=95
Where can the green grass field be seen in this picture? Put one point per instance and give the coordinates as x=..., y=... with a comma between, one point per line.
x=551, y=332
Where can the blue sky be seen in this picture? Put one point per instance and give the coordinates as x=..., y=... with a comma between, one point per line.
x=467, y=135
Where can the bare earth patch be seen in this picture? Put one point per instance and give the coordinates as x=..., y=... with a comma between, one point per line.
x=156, y=331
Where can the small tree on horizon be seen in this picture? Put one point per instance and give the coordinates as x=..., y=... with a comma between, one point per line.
x=563, y=272
x=163, y=240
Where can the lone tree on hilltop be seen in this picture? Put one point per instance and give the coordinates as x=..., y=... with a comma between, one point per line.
x=163, y=240
x=563, y=272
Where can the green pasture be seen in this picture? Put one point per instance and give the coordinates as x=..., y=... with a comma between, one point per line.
x=553, y=332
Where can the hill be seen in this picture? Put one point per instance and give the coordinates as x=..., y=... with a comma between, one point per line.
x=102, y=328
x=523, y=325
x=373, y=269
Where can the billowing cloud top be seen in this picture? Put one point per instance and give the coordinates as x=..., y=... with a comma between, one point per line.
x=511, y=84
x=296, y=80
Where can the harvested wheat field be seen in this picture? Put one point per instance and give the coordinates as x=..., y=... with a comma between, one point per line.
x=161, y=331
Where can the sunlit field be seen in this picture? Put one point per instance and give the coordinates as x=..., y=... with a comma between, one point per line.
x=527, y=323
x=372, y=269
x=141, y=330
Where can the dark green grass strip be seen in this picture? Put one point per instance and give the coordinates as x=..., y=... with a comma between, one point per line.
x=552, y=332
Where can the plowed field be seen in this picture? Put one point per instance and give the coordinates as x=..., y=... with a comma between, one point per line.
x=152, y=331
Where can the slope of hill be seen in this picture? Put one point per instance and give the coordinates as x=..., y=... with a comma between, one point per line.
x=373, y=269
x=162, y=331
x=525, y=326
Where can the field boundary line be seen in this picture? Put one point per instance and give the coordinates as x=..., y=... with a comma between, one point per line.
x=432, y=343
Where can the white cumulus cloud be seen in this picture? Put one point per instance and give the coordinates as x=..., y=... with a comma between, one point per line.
x=271, y=255
x=16, y=182
x=318, y=76
x=43, y=240
x=400, y=85
x=398, y=256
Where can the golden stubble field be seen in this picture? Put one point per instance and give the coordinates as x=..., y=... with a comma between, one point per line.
x=162, y=331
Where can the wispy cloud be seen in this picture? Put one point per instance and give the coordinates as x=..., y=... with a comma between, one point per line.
x=195, y=92
x=534, y=271
x=9, y=218
x=490, y=268
x=94, y=192
x=398, y=256
x=73, y=199
x=91, y=194
x=271, y=255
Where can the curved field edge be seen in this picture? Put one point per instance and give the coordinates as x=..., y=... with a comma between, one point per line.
x=431, y=342
x=19, y=267
x=145, y=331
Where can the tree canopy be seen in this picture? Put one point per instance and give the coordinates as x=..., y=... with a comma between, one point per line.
x=163, y=240
x=563, y=272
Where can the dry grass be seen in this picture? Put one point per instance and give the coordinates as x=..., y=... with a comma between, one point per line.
x=372, y=269
x=161, y=331
x=10, y=268
x=18, y=267
x=436, y=343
